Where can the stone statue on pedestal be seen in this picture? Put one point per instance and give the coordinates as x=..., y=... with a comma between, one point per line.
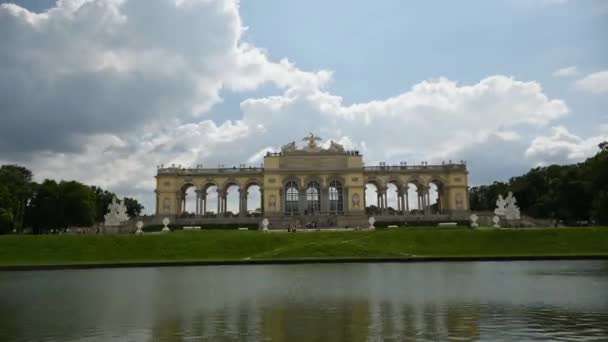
x=507, y=207
x=116, y=215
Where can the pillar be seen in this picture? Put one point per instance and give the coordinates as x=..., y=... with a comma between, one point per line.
x=219, y=201
x=262, y=200
x=324, y=198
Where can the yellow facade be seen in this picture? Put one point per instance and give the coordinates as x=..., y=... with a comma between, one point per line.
x=315, y=181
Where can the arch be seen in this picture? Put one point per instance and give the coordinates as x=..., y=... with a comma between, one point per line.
x=313, y=197
x=252, y=182
x=253, y=200
x=229, y=183
x=187, y=199
x=413, y=191
x=336, y=196
x=231, y=199
x=291, y=197
x=392, y=197
x=292, y=179
x=209, y=196
x=437, y=196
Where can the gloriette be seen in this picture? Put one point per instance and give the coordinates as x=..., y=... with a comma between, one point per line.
x=315, y=184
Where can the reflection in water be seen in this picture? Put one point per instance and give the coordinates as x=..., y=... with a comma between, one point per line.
x=341, y=302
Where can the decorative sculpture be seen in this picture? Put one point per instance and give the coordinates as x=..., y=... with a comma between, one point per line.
x=265, y=224
x=507, y=207
x=335, y=147
x=371, y=221
x=356, y=201
x=117, y=214
x=474, y=219
x=312, y=140
x=139, y=226
x=496, y=220
x=289, y=147
x=166, y=222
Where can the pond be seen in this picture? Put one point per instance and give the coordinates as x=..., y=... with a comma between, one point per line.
x=464, y=301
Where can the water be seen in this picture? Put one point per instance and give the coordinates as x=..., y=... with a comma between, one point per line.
x=469, y=301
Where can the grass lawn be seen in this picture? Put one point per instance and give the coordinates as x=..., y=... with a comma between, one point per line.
x=252, y=245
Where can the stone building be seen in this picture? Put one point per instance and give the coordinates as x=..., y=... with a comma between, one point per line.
x=326, y=186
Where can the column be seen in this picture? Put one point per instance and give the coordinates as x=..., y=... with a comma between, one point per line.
x=242, y=202
x=324, y=198
x=198, y=200
x=204, y=203
x=407, y=200
x=301, y=200
x=262, y=200
x=219, y=201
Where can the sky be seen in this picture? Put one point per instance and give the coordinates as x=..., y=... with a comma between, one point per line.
x=104, y=91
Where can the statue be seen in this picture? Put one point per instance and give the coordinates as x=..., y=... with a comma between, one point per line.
x=139, y=226
x=507, y=207
x=500, y=206
x=371, y=222
x=312, y=141
x=474, y=219
x=289, y=147
x=265, y=223
x=335, y=147
x=117, y=214
x=512, y=210
x=496, y=221
x=166, y=222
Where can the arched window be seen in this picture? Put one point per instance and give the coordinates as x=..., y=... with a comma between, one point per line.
x=291, y=197
x=312, y=197
x=336, y=199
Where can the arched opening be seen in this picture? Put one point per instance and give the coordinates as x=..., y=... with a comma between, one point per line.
x=231, y=201
x=392, y=198
x=210, y=203
x=291, y=197
x=313, y=202
x=336, y=197
x=188, y=199
x=372, y=198
x=253, y=206
x=436, y=198
x=413, y=200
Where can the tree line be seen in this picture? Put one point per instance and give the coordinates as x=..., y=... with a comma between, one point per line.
x=570, y=193
x=51, y=205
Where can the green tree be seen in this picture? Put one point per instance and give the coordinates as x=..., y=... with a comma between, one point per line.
x=77, y=202
x=134, y=208
x=103, y=198
x=45, y=209
x=16, y=190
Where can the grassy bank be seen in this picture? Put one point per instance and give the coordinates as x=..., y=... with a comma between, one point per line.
x=251, y=245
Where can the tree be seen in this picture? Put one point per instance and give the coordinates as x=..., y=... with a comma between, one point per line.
x=45, y=209
x=77, y=203
x=134, y=208
x=565, y=192
x=16, y=190
x=103, y=198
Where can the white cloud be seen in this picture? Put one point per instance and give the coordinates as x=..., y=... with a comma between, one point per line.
x=596, y=83
x=564, y=147
x=120, y=86
x=570, y=71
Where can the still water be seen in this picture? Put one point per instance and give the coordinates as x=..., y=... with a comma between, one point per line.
x=469, y=301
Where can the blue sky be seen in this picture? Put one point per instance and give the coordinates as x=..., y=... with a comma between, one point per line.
x=204, y=83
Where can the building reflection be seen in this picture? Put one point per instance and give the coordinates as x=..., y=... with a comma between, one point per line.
x=357, y=320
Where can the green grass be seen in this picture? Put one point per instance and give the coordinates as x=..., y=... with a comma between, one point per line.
x=239, y=245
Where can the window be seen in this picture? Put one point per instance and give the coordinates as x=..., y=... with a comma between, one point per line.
x=312, y=197
x=336, y=198
x=291, y=197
